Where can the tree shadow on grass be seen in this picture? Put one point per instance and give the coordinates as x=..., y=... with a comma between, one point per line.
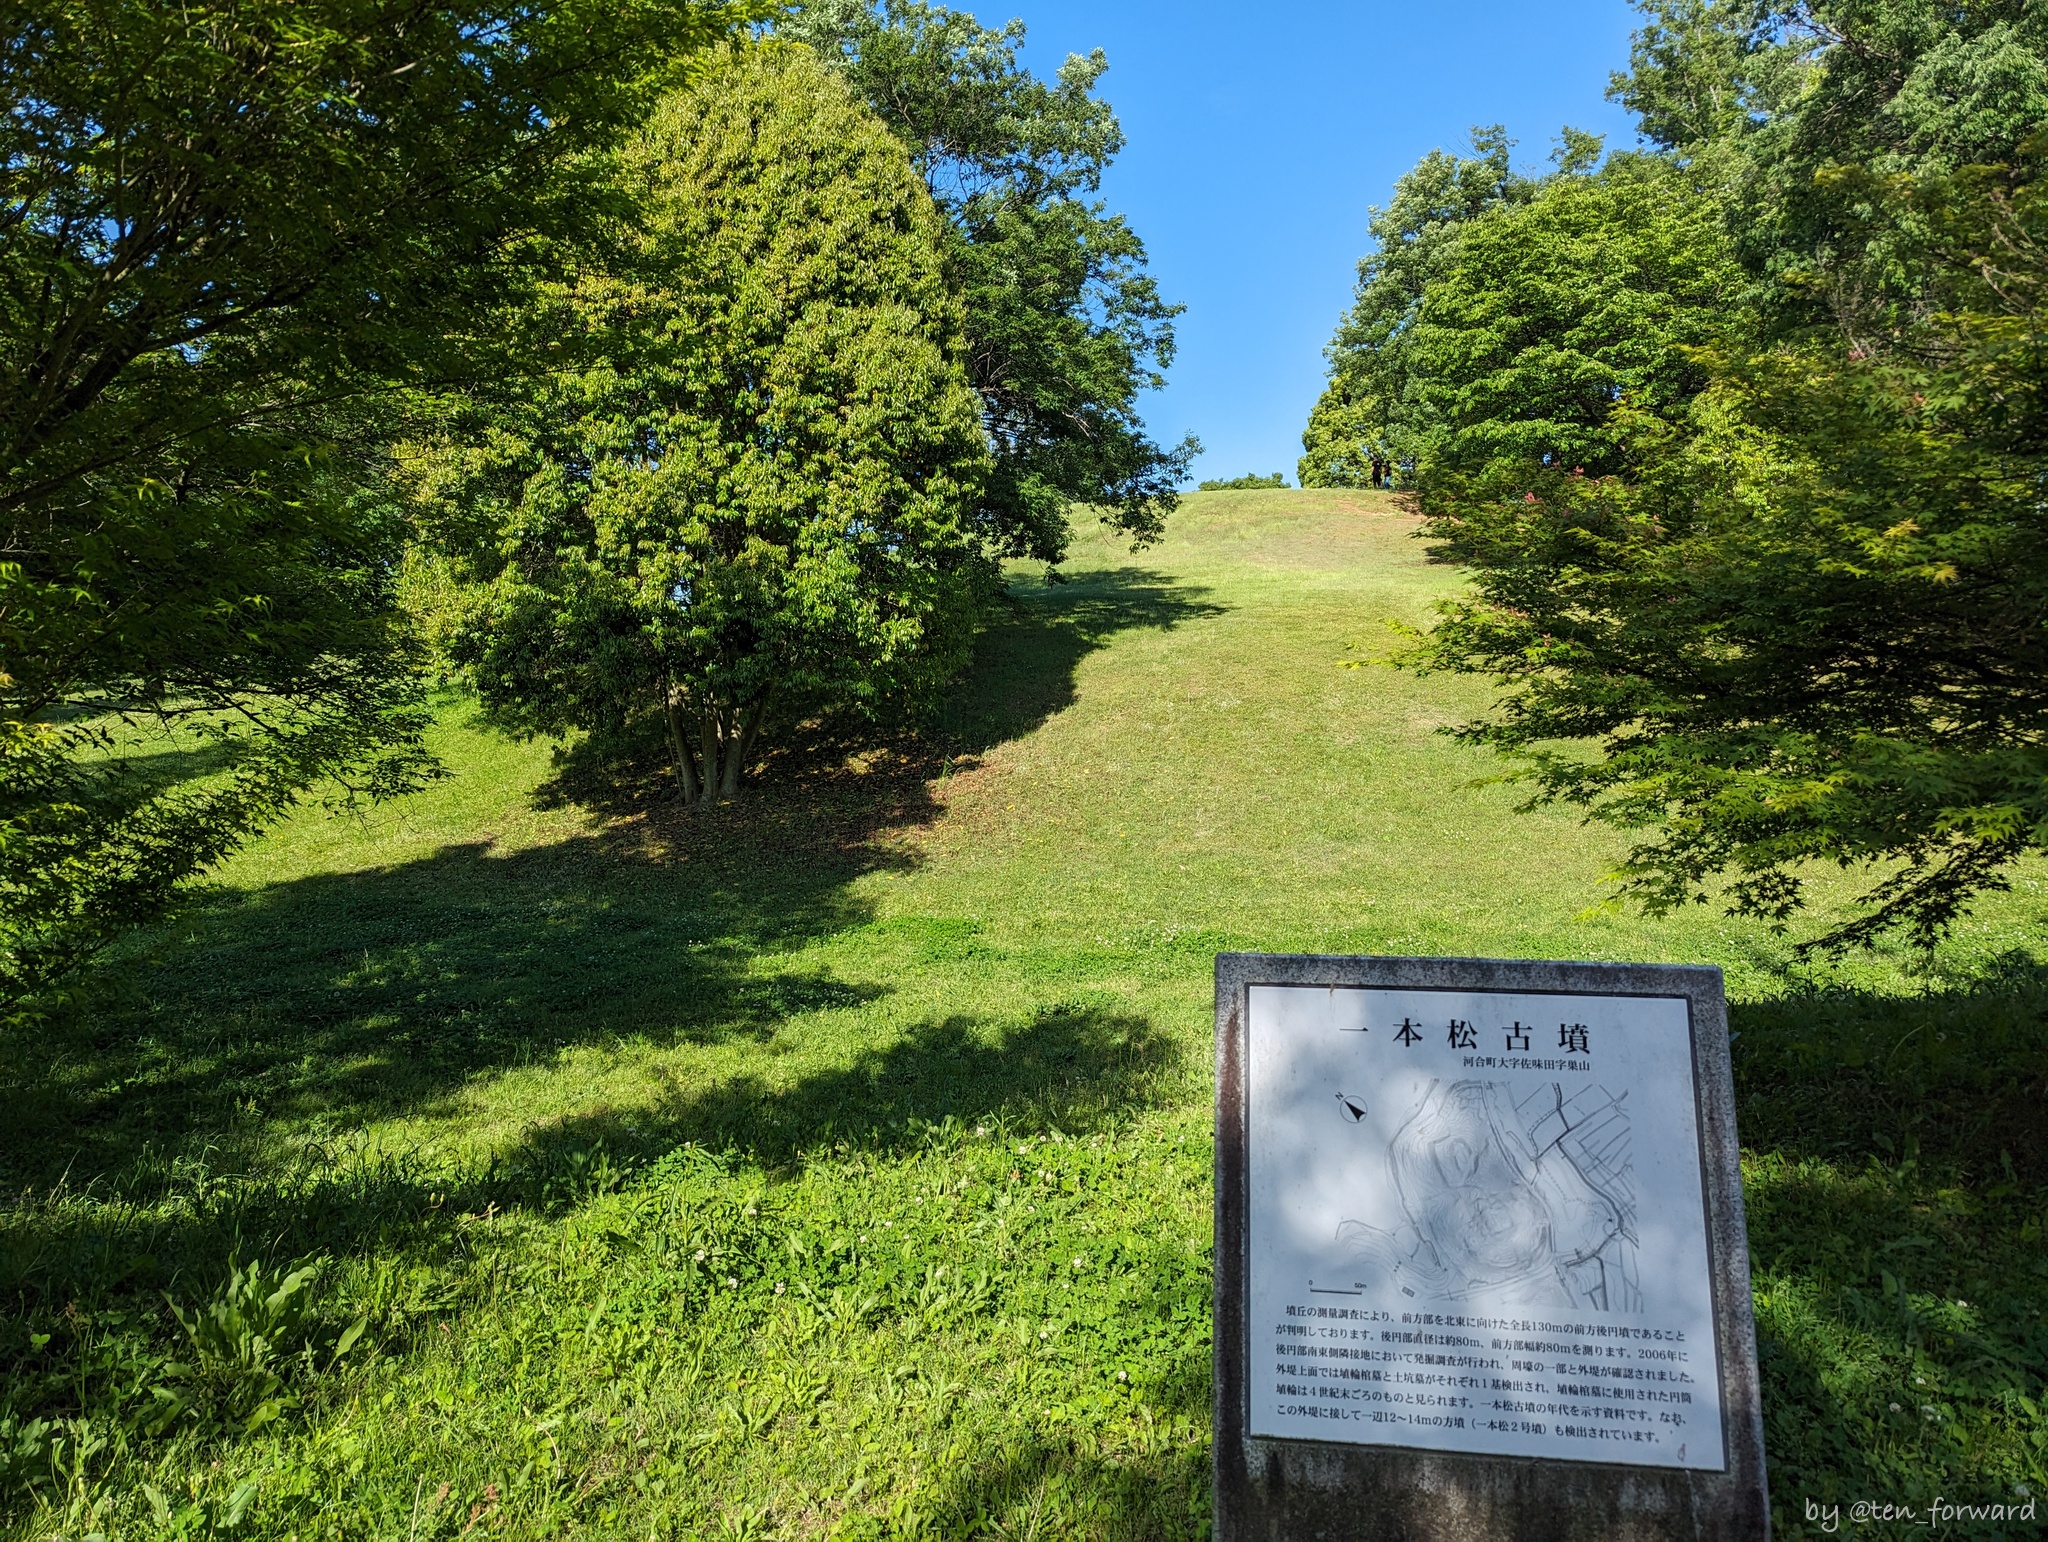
x=1074, y=1067
x=69, y=1268
x=340, y=998
x=1024, y=670
x=869, y=781
x=262, y=1027
x=324, y=1003
x=1958, y=1075
x=1896, y=1156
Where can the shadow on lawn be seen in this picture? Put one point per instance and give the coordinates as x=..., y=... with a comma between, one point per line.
x=841, y=773
x=310, y=1007
x=1958, y=1077
x=1896, y=1157
x=1051, y=1489
x=326, y=1002
x=1073, y=1067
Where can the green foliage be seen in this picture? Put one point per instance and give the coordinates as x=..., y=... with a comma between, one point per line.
x=1699, y=70
x=1779, y=95
x=1503, y=316
x=227, y=228
x=95, y=837
x=1743, y=444
x=1340, y=446
x=240, y=1346
x=1245, y=483
x=1563, y=331
x=752, y=491
x=1365, y=413
x=1064, y=327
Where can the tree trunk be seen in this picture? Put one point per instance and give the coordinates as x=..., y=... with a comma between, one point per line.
x=728, y=755
x=687, y=784
x=759, y=717
x=725, y=740
x=707, y=736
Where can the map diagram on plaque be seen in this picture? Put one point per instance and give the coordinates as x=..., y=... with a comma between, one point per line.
x=1529, y=1204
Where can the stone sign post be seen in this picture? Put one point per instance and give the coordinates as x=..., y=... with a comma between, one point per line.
x=1481, y=1270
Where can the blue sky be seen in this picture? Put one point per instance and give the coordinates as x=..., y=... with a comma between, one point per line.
x=1258, y=137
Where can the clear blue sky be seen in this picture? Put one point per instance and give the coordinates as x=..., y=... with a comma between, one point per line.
x=1258, y=137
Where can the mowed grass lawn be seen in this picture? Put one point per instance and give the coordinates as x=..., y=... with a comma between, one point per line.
x=837, y=1164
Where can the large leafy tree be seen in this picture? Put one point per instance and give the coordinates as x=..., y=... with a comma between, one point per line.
x=1065, y=328
x=1781, y=94
x=1366, y=412
x=1558, y=331
x=1814, y=626
x=1803, y=616
x=746, y=494
x=226, y=229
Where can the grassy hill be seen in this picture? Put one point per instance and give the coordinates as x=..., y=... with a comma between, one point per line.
x=836, y=1164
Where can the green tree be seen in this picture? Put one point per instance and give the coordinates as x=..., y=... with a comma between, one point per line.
x=1800, y=611
x=1783, y=93
x=1065, y=328
x=1816, y=628
x=1700, y=71
x=751, y=492
x=1346, y=435
x=1365, y=412
x=226, y=228
x=1558, y=330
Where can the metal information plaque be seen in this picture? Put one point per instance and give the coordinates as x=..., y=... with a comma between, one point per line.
x=1481, y=1269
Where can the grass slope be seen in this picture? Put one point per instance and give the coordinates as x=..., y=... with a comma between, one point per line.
x=837, y=1164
